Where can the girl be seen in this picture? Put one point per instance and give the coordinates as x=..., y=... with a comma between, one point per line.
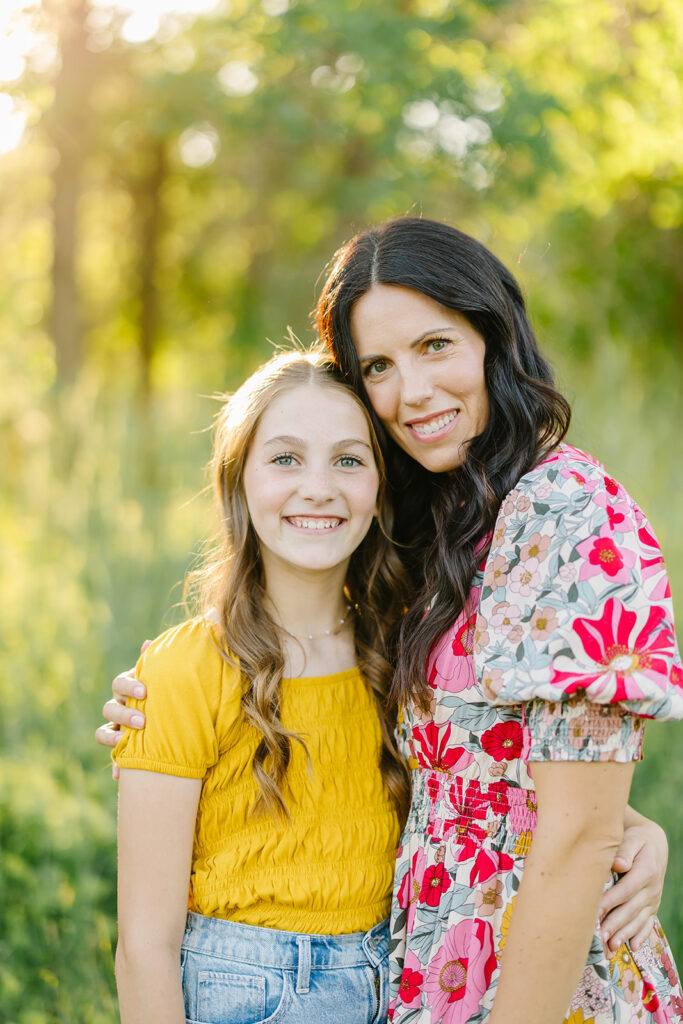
x=267, y=780
x=548, y=640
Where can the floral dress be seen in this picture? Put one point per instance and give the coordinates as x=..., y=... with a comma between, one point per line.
x=566, y=646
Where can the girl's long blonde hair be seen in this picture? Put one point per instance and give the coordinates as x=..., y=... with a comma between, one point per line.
x=231, y=583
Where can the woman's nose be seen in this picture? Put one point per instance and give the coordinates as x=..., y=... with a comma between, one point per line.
x=416, y=388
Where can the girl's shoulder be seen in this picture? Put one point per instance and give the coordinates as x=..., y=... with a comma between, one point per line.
x=191, y=649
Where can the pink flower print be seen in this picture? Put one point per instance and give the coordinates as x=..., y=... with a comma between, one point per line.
x=436, y=752
x=567, y=572
x=523, y=814
x=525, y=577
x=505, y=616
x=496, y=572
x=623, y=655
x=509, y=503
x=618, y=511
x=409, y=889
x=573, y=474
x=481, y=636
x=492, y=682
x=463, y=642
x=603, y=557
x=536, y=548
x=488, y=899
x=450, y=665
x=543, y=623
x=543, y=490
x=523, y=503
x=461, y=972
x=677, y=676
x=515, y=634
x=652, y=564
x=412, y=979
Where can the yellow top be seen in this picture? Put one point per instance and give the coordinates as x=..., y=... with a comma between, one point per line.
x=327, y=871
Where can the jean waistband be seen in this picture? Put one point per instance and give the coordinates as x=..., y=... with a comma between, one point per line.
x=271, y=947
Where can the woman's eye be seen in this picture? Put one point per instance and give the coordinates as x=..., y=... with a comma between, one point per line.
x=372, y=369
x=438, y=344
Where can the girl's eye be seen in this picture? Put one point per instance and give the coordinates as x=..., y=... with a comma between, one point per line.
x=283, y=460
x=349, y=461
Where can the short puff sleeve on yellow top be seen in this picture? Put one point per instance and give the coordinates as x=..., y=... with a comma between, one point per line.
x=575, y=618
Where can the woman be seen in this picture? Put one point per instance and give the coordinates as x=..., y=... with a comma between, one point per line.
x=431, y=329
x=549, y=631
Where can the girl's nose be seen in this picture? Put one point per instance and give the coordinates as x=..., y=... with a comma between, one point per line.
x=317, y=486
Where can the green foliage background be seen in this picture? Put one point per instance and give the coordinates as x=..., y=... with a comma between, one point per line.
x=212, y=171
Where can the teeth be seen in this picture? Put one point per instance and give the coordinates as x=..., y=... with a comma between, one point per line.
x=314, y=524
x=433, y=425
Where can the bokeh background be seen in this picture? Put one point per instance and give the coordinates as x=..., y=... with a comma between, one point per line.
x=174, y=176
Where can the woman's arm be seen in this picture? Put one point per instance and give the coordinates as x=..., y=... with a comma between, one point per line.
x=580, y=825
x=628, y=908
x=156, y=828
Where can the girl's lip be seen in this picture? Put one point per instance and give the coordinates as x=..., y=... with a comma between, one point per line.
x=315, y=531
x=437, y=434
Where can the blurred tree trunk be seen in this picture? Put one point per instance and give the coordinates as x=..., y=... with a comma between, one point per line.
x=68, y=123
x=149, y=216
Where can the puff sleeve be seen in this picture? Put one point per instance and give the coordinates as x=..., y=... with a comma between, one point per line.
x=183, y=672
x=575, y=606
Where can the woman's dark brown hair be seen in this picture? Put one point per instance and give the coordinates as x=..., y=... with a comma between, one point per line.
x=446, y=519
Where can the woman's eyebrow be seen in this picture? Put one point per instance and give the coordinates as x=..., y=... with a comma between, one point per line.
x=416, y=341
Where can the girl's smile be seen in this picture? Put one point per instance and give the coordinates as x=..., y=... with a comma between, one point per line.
x=311, y=481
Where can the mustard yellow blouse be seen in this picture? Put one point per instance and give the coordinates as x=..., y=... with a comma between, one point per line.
x=327, y=871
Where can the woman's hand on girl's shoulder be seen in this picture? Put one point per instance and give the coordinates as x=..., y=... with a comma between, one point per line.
x=117, y=713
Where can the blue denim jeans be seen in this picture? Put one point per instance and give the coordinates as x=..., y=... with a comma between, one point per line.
x=238, y=974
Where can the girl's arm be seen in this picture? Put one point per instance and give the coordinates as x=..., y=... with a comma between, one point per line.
x=580, y=825
x=156, y=828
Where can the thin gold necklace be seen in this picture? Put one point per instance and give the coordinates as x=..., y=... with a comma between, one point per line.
x=325, y=632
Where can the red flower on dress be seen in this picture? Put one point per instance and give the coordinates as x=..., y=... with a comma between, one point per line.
x=611, y=485
x=488, y=863
x=503, y=741
x=435, y=882
x=650, y=997
x=498, y=794
x=436, y=753
x=410, y=985
x=606, y=554
x=463, y=642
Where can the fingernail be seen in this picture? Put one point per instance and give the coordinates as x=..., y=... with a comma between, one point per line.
x=137, y=720
x=139, y=691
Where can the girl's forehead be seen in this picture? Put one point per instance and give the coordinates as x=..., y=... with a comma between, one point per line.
x=312, y=411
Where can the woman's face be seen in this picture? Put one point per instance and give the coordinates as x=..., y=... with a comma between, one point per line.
x=423, y=367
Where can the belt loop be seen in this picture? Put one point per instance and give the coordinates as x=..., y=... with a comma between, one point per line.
x=303, y=977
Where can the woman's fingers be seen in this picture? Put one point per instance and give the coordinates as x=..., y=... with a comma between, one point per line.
x=126, y=685
x=119, y=714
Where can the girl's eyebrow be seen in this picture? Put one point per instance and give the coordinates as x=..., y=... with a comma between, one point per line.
x=421, y=337
x=299, y=442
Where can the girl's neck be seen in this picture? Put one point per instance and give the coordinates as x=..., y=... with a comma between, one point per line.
x=308, y=605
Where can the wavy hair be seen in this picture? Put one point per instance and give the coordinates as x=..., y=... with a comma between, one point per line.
x=447, y=519
x=232, y=584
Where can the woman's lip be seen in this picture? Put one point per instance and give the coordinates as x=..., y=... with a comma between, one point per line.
x=437, y=434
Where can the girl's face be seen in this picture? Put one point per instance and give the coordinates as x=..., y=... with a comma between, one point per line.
x=423, y=367
x=310, y=479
